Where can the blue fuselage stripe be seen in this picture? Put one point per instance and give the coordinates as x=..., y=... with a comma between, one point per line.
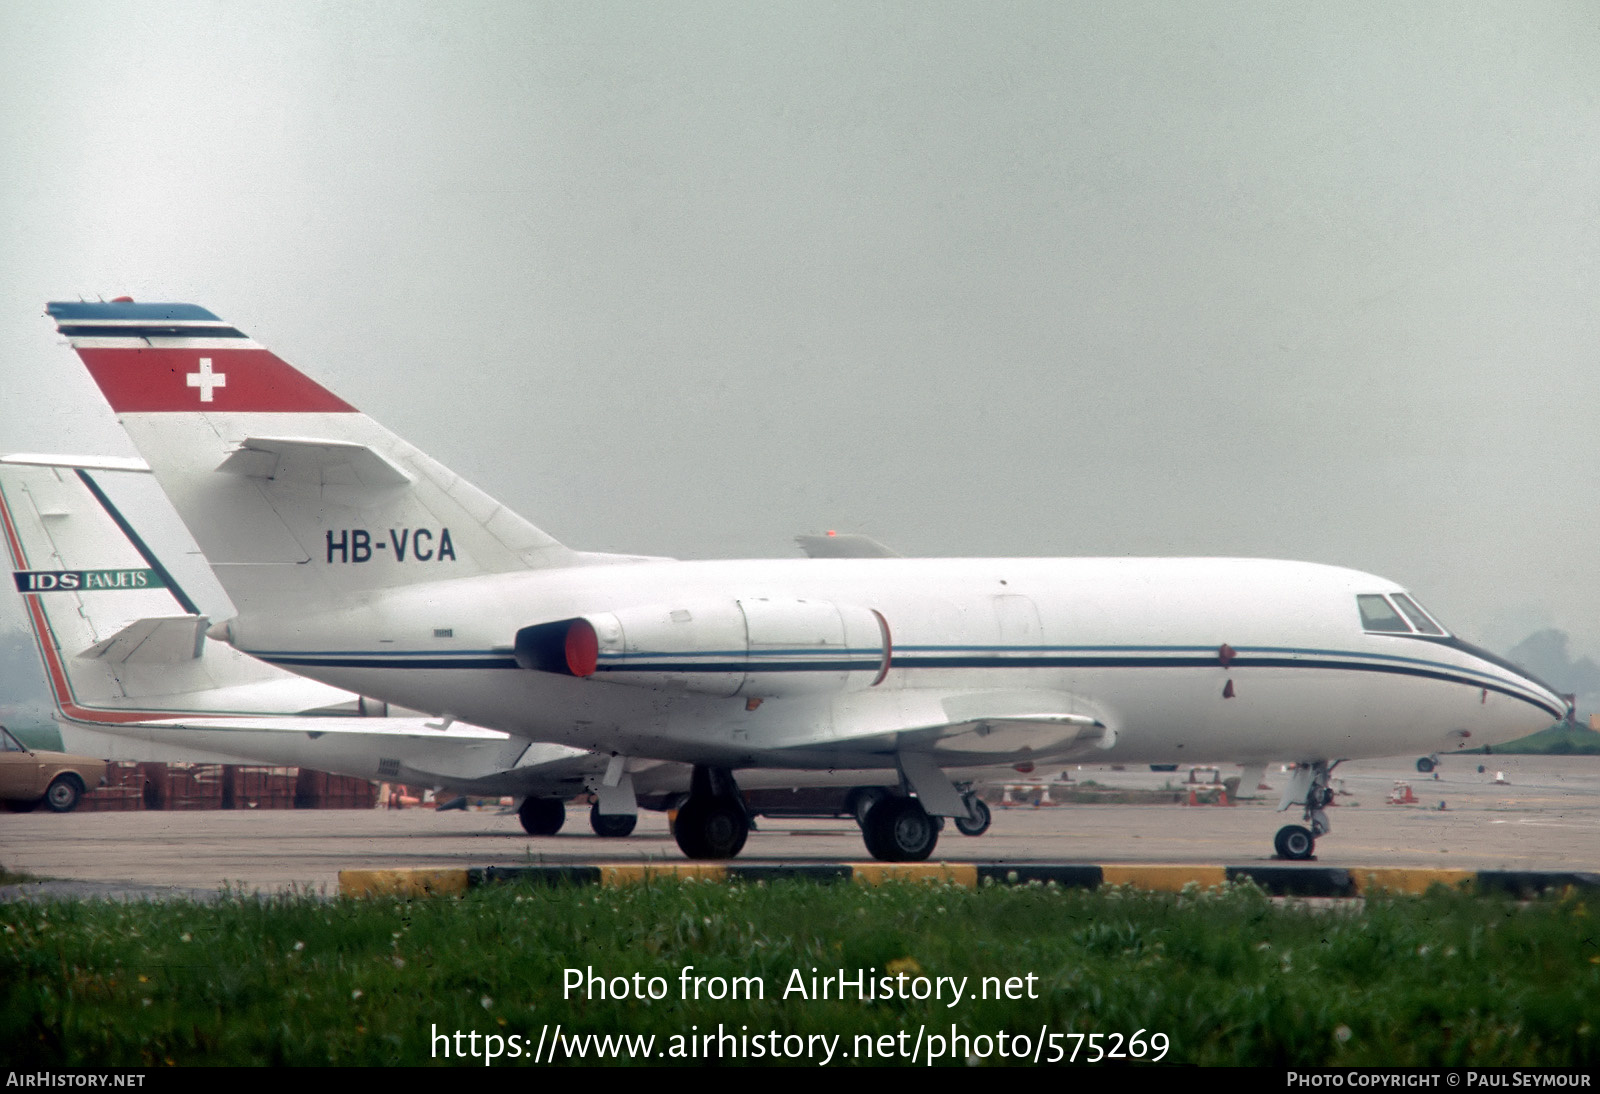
x=957, y=657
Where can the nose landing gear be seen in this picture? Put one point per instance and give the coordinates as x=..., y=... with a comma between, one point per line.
x=1293, y=841
x=1310, y=787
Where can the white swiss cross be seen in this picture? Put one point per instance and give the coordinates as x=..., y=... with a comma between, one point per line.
x=205, y=379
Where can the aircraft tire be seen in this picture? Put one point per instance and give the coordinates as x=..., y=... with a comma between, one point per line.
x=1294, y=842
x=981, y=818
x=1425, y=764
x=542, y=816
x=63, y=794
x=611, y=825
x=900, y=830
x=711, y=829
x=862, y=799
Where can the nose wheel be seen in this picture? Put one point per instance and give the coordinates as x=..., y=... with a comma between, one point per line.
x=1294, y=842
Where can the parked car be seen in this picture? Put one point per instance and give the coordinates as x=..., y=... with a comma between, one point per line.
x=29, y=776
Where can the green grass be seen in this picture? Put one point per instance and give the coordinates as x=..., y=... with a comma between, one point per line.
x=1231, y=976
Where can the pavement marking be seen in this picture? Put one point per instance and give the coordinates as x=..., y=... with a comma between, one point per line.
x=403, y=883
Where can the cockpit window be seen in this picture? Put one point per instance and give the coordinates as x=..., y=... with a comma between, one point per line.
x=1419, y=618
x=1377, y=614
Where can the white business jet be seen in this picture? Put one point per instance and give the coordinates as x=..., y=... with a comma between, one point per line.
x=355, y=559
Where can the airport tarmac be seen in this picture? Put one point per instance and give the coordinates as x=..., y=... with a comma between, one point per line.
x=1547, y=817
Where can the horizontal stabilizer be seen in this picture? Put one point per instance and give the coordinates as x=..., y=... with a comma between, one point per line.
x=165, y=639
x=315, y=462
x=848, y=545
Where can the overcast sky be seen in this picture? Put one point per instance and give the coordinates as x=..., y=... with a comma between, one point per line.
x=1302, y=281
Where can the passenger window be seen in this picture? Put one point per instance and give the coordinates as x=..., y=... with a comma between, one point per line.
x=1419, y=618
x=1378, y=615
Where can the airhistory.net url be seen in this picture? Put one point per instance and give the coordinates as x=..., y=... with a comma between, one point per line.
x=555, y=1046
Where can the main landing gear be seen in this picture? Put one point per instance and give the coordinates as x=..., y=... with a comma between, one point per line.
x=611, y=825
x=542, y=816
x=1310, y=788
x=713, y=823
x=976, y=823
x=1428, y=763
x=978, y=819
x=899, y=829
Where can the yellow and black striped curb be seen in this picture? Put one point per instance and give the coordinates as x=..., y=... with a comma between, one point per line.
x=1278, y=880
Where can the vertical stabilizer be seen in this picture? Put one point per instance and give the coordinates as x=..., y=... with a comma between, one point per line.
x=294, y=496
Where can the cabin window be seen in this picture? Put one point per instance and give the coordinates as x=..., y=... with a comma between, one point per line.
x=1377, y=614
x=1419, y=618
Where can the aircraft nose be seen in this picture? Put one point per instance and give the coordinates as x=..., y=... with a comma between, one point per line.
x=1540, y=703
x=1544, y=704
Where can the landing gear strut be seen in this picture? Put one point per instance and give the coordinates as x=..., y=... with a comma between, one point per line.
x=1309, y=787
x=713, y=823
x=542, y=816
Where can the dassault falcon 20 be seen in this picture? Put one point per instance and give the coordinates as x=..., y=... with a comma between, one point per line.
x=355, y=559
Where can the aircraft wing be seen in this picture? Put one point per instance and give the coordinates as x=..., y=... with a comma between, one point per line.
x=971, y=728
x=316, y=726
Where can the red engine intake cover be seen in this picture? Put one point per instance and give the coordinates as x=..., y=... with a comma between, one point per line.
x=583, y=648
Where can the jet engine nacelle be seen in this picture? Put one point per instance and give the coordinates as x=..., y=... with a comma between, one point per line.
x=758, y=647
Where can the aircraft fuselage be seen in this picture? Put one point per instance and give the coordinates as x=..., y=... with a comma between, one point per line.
x=1174, y=659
